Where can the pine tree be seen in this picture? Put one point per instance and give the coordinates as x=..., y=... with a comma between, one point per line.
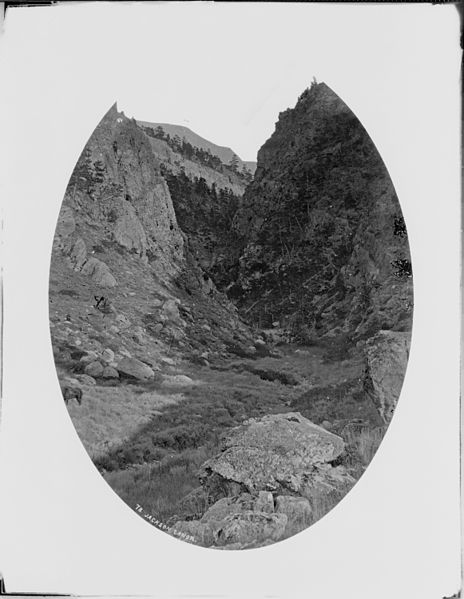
x=234, y=163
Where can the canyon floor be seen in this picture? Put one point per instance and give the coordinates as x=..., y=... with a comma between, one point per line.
x=149, y=439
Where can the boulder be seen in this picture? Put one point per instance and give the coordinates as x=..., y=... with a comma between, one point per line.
x=133, y=368
x=122, y=321
x=274, y=453
x=170, y=311
x=228, y=506
x=94, y=369
x=137, y=335
x=99, y=272
x=386, y=360
x=168, y=361
x=178, y=380
x=251, y=528
x=108, y=356
x=110, y=373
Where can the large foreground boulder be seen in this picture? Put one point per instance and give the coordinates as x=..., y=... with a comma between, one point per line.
x=387, y=356
x=272, y=479
x=278, y=452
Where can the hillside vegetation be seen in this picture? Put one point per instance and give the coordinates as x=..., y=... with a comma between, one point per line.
x=231, y=348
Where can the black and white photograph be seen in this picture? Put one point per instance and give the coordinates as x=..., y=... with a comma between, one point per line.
x=231, y=317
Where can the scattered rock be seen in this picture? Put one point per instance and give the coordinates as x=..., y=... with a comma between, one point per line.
x=71, y=393
x=99, y=272
x=94, y=369
x=110, y=373
x=133, y=368
x=168, y=361
x=178, y=380
x=108, y=355
x=228, y=506
x=170, y=311
x=122, y=321
x=251, y=527
x=137, y=335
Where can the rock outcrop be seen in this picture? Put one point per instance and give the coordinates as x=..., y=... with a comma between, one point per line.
x=387, y=356
x=117, y=195
x=279, y=452
x=325, y=250
x=267, y=482
x=130, y=273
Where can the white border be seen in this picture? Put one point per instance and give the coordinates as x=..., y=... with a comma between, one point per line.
x=62, y=529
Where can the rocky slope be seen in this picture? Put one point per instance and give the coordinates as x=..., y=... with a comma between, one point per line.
x=182, y=151
x=226, y=155
x=325, y=250
x=118, y=238
x=231, y=352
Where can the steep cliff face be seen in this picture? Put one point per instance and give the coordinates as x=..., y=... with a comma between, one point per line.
x=118, y=237
x=325, y=250
x=118, y=201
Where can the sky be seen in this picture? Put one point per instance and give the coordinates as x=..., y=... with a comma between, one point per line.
x=226, y=71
